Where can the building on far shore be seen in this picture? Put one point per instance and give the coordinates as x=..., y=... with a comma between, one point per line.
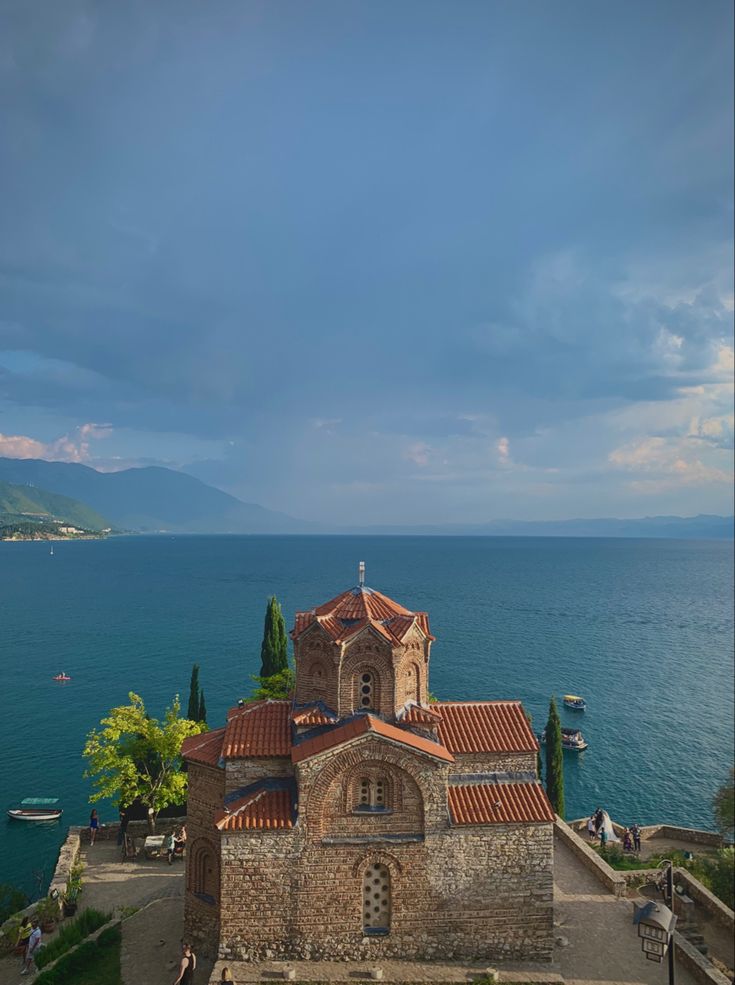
x=361, y=820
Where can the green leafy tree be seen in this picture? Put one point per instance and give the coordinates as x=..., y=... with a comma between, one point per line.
x=192, y=712
x=202, y=713
x=554, y=760
x=12, y=899
x=274, y=649
x=133, y=756
x=724, y=807
x=277, y=686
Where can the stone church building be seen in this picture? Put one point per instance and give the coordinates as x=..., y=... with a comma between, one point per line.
x=361, y=820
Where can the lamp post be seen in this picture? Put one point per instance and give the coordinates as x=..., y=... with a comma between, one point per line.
x=656, y=923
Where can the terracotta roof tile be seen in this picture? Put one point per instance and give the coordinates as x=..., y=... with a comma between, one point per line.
x=314, y=715
x=485, y=726
x=419, y=715
x=362, y=725
x=263, y=809
x=261, y=728
x=204, y=748
x=499, y=803
x=347, y=614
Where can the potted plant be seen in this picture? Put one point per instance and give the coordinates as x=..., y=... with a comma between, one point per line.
x=47, y=912
x=73, y=889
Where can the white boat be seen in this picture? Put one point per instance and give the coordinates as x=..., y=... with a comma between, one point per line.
x=36, y=809
x=574, y=702
x=25, y=814
x=571, y=738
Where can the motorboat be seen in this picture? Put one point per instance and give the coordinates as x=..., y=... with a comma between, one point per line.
x=36, y=809
x=574, y=701
x=571, y=738
x=62, y=677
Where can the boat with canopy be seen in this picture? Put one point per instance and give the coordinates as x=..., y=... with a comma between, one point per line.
x=36, y=809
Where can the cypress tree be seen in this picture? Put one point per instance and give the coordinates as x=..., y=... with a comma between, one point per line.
x=554, y=760
x=192, y=712
x=202, y=714
x=274, y=649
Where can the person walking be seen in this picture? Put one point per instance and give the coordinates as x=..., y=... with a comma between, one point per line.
x=94, y=824
x=32, y=947
x=187, y=966
x=123, y=829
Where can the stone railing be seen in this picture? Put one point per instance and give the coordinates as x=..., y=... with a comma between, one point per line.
x=610, y=879
x=701, y=970
x=136, y=829
x=695, y=835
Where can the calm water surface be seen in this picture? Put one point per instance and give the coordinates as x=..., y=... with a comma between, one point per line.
x=642, y=628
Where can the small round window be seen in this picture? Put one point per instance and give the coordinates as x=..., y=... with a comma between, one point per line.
x=366, y=691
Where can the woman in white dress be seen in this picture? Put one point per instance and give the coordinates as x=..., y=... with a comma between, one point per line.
x=607, y=827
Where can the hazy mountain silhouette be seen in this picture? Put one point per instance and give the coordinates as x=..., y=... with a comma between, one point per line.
x=150, y=499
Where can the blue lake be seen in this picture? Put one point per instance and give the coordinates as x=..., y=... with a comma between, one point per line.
x=642, y=628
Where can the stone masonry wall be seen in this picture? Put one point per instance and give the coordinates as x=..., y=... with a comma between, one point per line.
x=205, y=797
x=489, y=762
x=456, y=893
x=243, y=772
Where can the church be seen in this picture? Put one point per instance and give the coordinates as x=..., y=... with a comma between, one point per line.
x=361, y=819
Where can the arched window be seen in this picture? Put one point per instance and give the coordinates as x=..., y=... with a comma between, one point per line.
x=203, y=873
x=376, y=899
x=414, y=683
x=373, y=794
x=366, y=689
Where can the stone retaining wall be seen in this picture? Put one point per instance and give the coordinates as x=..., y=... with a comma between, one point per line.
x=610, y=879
x=696, y=964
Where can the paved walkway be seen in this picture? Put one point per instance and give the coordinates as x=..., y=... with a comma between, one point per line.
x=603, y=945
x=110, y=884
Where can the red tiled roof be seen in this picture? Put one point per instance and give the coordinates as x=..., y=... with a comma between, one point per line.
x=362, y=726
x=485, y=726
x=261, y=728
x=418, y=715
x=499, y=803
x=353, y=610
x=269, y=809
x=313, y=716
x=204, y=748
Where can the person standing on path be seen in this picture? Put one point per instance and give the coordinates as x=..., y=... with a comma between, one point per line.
x=636, y=832
x=33, y=942
x=591, y=829
x=187, y=966
x=94, y=823
x=123, y=829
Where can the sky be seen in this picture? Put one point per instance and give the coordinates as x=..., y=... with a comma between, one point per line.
x=374, y=262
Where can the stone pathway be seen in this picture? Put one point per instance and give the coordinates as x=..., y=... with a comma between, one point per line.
x=151, y=946
x=603, y=945
x=111, y=884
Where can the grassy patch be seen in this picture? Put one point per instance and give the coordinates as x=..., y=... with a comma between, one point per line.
x=93, y=963
x=72, y=933
x=715, y=870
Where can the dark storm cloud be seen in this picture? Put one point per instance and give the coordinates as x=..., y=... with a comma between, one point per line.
x=234, y=219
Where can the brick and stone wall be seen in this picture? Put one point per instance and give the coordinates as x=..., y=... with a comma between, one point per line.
x=455, y=893
x=201, y=905
x=494, y=762
x=243, y=772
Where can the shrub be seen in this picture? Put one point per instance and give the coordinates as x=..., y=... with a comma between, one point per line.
x=72, y=933
x=76, y=967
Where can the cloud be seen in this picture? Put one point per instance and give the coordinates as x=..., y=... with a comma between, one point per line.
x=418, y=453
x=664, y=463
x=67, y=448
x=503, y=447
x=716, y=431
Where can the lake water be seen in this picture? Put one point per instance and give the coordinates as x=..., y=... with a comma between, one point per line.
x=642, y=628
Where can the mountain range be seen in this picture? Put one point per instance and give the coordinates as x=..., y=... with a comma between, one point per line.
x=149, y=500
x=43, y=505
x=156, y=500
